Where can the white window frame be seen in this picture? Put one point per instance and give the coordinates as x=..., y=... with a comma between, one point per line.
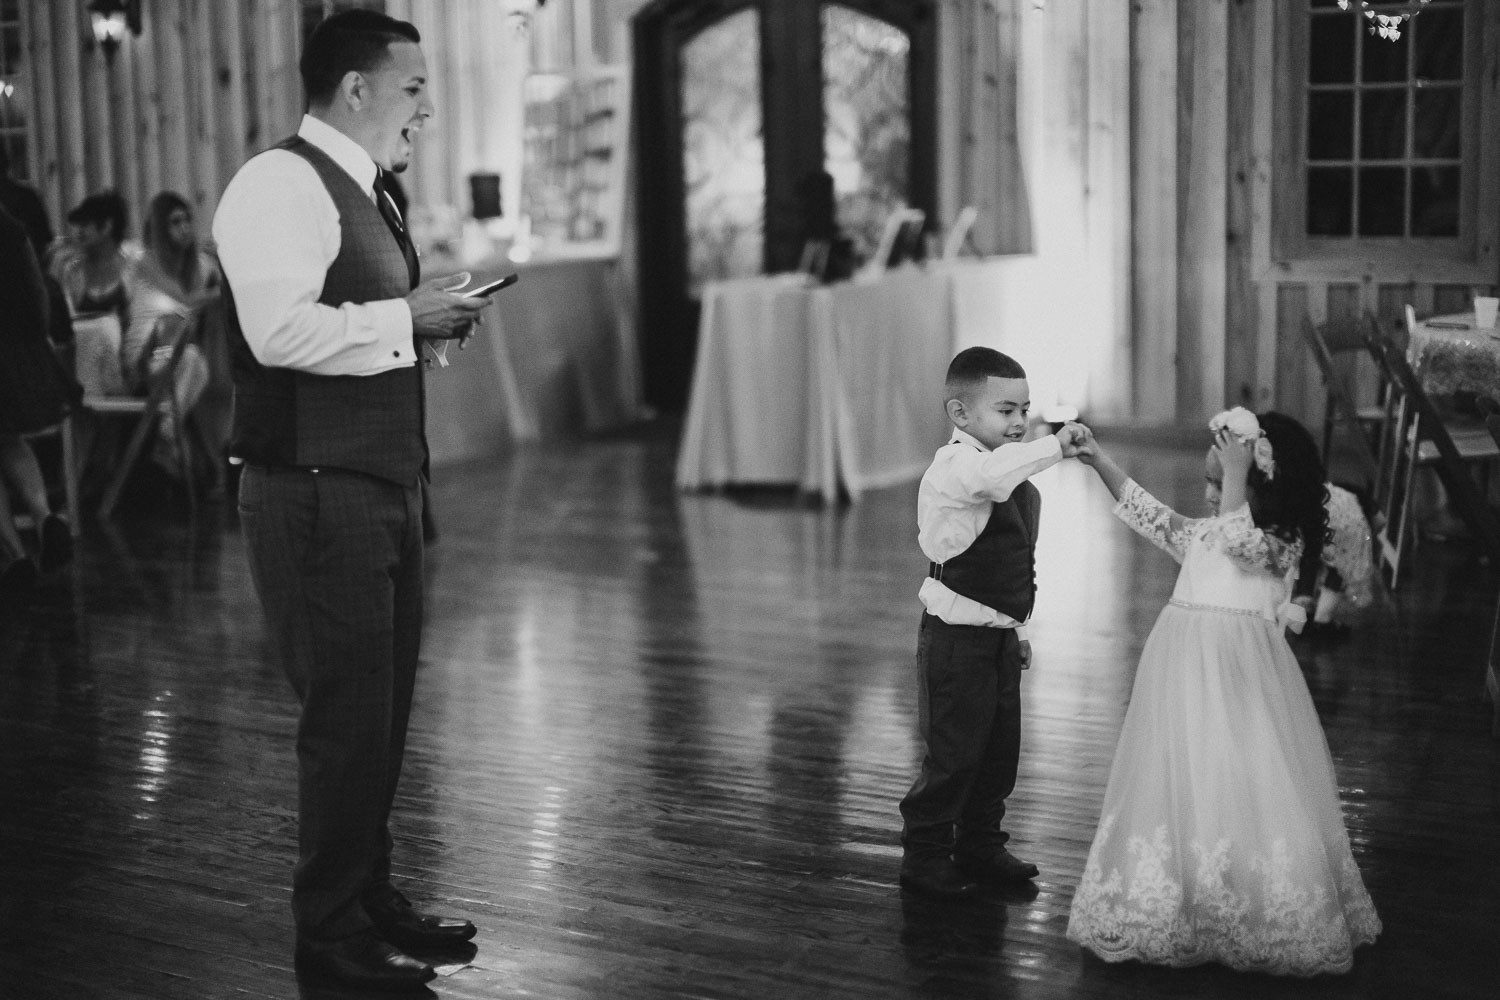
x=1471, y=257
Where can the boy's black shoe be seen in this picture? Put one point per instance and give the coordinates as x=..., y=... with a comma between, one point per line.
x=1000, y=868
x=937, y=877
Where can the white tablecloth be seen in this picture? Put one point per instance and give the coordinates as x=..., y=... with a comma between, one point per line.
x=1451, y=354
x=827, y=388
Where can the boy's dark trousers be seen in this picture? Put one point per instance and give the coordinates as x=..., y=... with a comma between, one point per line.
x=970, y=718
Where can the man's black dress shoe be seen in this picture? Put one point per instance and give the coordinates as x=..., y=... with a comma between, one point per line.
x=398, y=923
x=1000, y=868
x=362, y=962
x=938, y=877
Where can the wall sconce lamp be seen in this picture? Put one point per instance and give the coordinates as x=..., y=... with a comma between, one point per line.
x=518, y=13
x=110, y=19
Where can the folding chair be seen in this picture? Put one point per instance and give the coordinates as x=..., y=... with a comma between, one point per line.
x=1418, y=437
x=1376, y=333
x=146, y=411
x=1338, y=402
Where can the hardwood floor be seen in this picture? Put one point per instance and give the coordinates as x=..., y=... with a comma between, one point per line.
x=658, y=747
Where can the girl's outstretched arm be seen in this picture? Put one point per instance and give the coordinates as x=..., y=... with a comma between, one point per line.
x=1109, y=471
x=1141, y=512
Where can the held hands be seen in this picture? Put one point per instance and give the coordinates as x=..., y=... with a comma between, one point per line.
x=437, y=313
x=1078, y=442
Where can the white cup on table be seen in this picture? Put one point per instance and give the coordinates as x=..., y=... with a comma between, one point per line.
x=1485, y=307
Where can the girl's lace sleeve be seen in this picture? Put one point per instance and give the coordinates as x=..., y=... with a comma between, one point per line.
x=1255, y=549
x=1154, y=520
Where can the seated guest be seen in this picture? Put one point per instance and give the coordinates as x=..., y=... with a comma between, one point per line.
x=35, y=393
x=174, y=277
x=1340, y=581
x=91, y=265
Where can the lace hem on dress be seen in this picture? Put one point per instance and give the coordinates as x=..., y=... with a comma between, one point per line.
x=1280, y=924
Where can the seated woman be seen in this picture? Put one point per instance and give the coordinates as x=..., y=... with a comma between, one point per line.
x=91, y=264
x=173, y=278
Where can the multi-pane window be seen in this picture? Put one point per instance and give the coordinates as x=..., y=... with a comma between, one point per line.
x=1384, y=128
x=14, y=130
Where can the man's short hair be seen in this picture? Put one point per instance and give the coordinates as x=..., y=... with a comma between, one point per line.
x=971, y=367
x=351, y=40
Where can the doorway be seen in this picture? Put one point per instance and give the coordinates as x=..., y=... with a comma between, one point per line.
x=739, y=103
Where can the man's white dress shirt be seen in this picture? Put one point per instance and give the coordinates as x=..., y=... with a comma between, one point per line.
x=277, y=232
x=953, y=506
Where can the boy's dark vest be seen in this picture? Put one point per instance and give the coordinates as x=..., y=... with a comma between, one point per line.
x=999, y=569
x=372, y=424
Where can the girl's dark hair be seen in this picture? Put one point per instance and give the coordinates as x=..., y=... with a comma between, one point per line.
x=1292, y=505
x=105, y=208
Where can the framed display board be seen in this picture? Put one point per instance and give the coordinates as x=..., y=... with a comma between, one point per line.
x=573, y=168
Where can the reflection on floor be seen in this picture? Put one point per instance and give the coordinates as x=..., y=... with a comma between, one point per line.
x=658, y=747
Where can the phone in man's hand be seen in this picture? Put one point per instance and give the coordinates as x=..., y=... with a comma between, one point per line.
x=490, y=287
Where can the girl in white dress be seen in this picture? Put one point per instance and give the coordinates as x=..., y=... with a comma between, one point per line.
x=1221, y=838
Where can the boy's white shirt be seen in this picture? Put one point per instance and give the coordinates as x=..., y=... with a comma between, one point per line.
x=953, y=506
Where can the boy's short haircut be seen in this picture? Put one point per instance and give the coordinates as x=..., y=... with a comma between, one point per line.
x=972, y=366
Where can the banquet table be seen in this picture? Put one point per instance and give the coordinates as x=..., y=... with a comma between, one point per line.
x=833, y=389
x=1451, y=354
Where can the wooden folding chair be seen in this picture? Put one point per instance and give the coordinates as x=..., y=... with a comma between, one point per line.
x=1418, y=437
x=1338, y=403
x=1387, y=445
x=146, y=411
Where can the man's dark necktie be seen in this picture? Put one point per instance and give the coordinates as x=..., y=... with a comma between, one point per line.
x=392, y=218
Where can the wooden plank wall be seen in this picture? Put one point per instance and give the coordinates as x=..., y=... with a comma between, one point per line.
x=1274, y=364
x=1203, y=120
x=1154, y=190
x=207, y=84
x=1217, y=321
x=178, y=108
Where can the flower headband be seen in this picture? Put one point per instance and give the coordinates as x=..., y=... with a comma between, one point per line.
x=1242, y=424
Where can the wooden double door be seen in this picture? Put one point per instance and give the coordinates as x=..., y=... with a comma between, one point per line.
x=739, y=103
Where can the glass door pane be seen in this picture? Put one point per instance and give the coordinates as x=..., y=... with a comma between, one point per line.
x=867, y=133
x=723, y=157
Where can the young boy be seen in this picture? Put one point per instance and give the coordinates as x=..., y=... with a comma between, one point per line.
x=976, y=521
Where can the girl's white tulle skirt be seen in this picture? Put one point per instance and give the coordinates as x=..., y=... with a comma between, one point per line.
x=1221, y=838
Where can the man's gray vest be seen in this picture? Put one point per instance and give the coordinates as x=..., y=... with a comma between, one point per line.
x=372, y=424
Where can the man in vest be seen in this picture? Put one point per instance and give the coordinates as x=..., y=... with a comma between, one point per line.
x=326, y=319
